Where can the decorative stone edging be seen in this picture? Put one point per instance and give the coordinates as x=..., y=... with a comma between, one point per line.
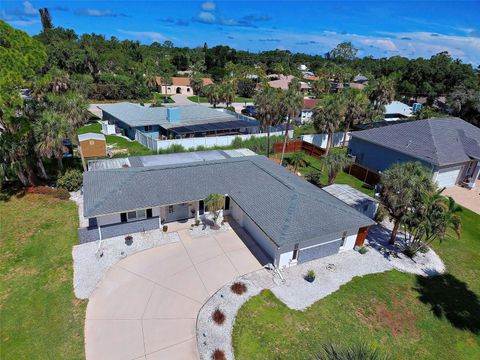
x=211, y=336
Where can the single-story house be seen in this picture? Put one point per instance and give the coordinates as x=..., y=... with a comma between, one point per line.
x=178, y=85
x=361, y=202
x=284, y=81
x=292, y=220
x=397, y=110
x=92, y=145
x=448, y=147
x=175, y=122
x=307, y=110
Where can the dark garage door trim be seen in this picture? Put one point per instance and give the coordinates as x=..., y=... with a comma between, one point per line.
x=319, y=251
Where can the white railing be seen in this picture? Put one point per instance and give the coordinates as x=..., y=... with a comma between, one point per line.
x=107, y=129
x=321, y=139
x=207, y=142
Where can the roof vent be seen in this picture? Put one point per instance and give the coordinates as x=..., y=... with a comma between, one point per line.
x=173, y=114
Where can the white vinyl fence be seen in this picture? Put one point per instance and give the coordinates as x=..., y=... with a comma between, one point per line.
x=321, y=139
x=107, y=129
x=210, y=141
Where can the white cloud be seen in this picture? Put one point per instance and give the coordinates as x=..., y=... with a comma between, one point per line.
x=209, y=6
x=206, y=17
x=29, y=9
x=95, y=12
x=143, y=35
x=23, y=22
x=381, y=43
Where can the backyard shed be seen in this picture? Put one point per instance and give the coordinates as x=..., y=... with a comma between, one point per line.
x=92, y=145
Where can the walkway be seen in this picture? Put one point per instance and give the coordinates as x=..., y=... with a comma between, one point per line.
x=181, y=99
x=147, y=304
x=469, y=198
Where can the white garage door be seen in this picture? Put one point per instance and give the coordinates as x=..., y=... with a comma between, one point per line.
x=448, y=177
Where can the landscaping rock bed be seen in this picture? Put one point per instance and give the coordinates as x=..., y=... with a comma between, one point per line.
x=210, y=335
x=92, y=260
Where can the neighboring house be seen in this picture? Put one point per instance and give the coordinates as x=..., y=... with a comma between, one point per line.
x=448, y=147
x=291, y=220
x=361, y=202
x=307, y=110
x=358, y=86
x=360, y=79
x=92, y=145
x=397, y=110
x=284, y=81
x=175, y=122
x=178, y=85
x=311, y=77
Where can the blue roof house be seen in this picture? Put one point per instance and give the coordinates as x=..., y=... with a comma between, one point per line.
x=176, y=122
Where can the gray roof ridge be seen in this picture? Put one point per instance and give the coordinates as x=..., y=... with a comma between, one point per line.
x=435, y=145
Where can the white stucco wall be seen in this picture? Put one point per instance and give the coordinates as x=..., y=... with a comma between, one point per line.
x=259, y=236
x=349, y=243
x=236, y=212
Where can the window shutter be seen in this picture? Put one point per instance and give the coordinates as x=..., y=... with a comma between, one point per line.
x=123, y=217
x=149, y=213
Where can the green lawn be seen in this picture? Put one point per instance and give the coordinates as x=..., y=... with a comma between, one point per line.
x=40, y=317
x=402, y=315
x=134, y=147
x=203, y=99
x=342, y=178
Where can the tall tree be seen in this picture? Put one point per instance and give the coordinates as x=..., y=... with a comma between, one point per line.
x=293, y=104
x=46, y=19
x=381, y=92
x=344, y=51
x=270, y=109
x=356, y=110
x=227, y=93
x=196, y=83
x=402, y=188
x=334, y=163
x=213, y=94
x=327, y=116
x=321, y=86
x=50, y=130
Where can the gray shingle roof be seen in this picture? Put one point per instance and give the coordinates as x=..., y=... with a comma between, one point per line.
x=286, y=207
x=442, y=141
x=136, y=115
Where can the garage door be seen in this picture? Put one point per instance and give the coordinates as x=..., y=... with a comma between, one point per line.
x=448, y=177
x=319, y=251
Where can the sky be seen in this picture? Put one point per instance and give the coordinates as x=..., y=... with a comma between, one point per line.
x=377, y=28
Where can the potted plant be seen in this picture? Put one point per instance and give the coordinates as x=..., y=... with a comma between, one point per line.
x=128, y=240
x=197, y=222
x=310, y=276
x=165, y=228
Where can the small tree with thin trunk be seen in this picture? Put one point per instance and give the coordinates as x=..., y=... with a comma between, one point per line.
x=215, y=203
x=297, y=160
x=334, y=163
x=328, y=115
x=403, y=185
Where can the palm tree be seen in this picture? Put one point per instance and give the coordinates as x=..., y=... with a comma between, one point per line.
x=71, y=105
x=356, y=106
x=293, y=104
x=215, y=202
x=270, y=109
x=381, y=92
x=403, y=185
x=213, y=94
x=196, y=83
x=327, y=116
x=227, y=91
x=321, y=86
x=334, y=163
x=297, y=160
x=50, y=130
x=355, y=352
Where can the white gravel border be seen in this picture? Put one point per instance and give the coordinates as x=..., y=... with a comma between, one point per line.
x=92, y=260
x=331, y=273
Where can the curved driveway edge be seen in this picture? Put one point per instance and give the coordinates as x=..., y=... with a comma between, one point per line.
x=146, y=306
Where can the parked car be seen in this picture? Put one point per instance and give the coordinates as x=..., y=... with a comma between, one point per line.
x=249, y=110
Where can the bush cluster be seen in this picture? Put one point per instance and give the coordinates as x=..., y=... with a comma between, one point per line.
x=71, y=181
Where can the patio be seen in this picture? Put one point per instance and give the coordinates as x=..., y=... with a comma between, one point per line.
x=469, y=198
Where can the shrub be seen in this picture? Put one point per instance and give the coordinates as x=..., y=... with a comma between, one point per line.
x=230, y=108
x=72, y=180
x=381, y=214
x=409, y=252
x=363, y=250
x=197, y=222
x=218, y=355
x=238, y=288
x=310, y=276
x=58, y=193
x=218, y=316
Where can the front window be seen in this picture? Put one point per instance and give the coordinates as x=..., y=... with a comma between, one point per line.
x=136, y=215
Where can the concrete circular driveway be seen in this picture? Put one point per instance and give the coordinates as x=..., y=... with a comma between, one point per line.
x=147, y=304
